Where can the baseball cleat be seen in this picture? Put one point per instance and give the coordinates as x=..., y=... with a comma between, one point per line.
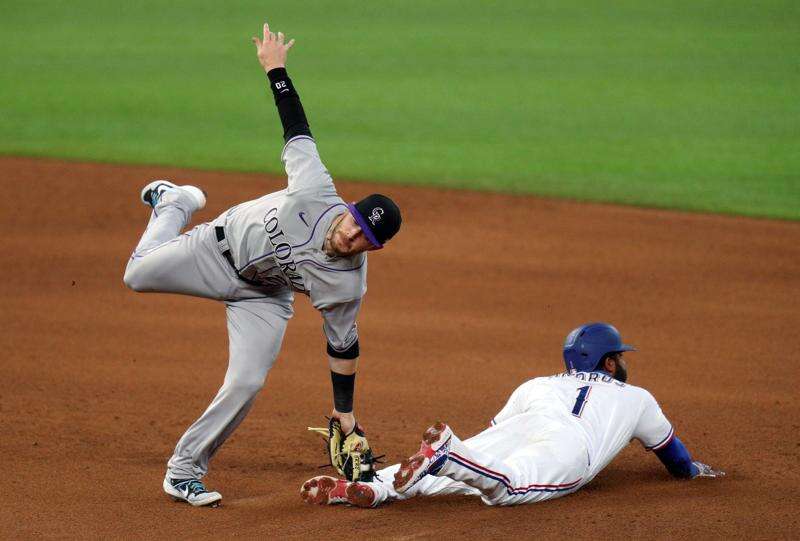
x=325, y=490
x=430, y=458
x=191, y=491
x=152, y=194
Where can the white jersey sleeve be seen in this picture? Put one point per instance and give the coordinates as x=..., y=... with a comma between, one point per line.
x=304, y=167
x=653, y=428
x=516, y=404
x=339, y=324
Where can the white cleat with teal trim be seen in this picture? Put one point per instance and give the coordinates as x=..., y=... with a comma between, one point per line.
x=191, y=491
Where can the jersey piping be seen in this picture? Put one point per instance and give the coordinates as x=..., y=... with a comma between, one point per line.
x=504, y=480
x=295, y=138
x=311, y=236
x=331, y=269
x=664, y=442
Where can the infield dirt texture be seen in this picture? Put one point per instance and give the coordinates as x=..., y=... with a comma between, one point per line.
x=473, y=297
x=680, y=104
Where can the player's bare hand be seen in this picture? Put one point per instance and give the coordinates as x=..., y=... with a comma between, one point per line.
x=272, y=49
x=704, y=470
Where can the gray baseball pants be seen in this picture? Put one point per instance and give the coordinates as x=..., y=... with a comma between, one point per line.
x=191, y=264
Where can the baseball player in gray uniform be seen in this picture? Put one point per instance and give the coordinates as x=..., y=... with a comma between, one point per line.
x=253, y=257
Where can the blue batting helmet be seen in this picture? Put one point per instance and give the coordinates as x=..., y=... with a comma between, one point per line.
x=585, y=346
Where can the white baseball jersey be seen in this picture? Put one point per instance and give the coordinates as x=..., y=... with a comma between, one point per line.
x=277, y=241
x=553, y=436
x=603, y=412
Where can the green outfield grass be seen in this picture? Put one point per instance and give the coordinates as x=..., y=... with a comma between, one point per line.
x=688, y=104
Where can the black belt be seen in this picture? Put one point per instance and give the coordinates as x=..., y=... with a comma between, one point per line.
x=225, y=249
x=222, y=242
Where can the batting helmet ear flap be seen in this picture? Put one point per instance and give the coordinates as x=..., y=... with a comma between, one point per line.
x=572, y=348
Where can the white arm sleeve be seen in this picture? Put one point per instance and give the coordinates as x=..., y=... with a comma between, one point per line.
x=653, y=428
x=339, y=324
x=304, y=167
x=514, y=406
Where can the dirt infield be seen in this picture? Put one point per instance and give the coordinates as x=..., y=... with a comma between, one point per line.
x=473, y=297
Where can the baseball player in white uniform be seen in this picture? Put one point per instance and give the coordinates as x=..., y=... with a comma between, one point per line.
x=253, y=257
x=553, y=436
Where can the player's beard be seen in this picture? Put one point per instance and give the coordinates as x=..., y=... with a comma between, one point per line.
x=621, y=373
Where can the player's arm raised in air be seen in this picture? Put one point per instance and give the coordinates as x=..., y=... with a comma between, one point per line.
x=300, y=156
x=272, y=50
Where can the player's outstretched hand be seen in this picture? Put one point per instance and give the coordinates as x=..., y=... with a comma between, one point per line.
x=272, y=49
x=704, y=470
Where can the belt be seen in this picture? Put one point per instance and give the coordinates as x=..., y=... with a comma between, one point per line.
x=225, y=249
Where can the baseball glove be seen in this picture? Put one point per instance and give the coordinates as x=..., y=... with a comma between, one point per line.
x=349, y=454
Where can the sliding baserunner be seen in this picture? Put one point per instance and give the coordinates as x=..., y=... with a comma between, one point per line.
x=554, y=435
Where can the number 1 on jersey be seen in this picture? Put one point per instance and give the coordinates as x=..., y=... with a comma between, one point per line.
x=580, y=402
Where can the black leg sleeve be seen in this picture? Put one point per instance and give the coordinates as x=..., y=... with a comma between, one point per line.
x=287, y=100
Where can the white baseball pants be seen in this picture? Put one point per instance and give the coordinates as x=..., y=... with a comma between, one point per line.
x=524, y=459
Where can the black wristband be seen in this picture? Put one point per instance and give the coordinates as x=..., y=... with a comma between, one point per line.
x=343, y=388
x=280, y=84
x=293, y=117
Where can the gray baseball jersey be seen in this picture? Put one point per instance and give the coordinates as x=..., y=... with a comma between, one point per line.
x=276, y=240
x=276, y=245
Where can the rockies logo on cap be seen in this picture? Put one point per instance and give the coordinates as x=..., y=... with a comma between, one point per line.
x=378, y=216
x=377, y=212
